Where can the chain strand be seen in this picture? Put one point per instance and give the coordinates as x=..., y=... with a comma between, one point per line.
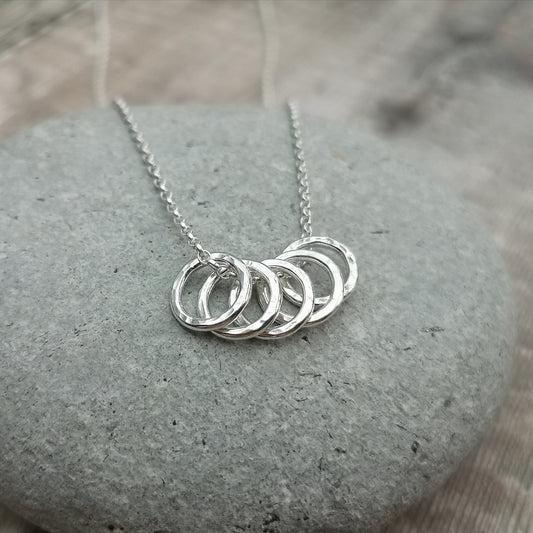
x=204, y=256
x=301, y=170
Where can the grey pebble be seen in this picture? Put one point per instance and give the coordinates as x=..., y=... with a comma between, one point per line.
x=113, y=417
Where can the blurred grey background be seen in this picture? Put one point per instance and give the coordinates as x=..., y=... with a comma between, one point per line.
x=448, y=82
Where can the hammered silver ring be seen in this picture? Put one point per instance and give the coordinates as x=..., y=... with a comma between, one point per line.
x=332, y=302
x=203, y=323
x=307, y=243
x=242, y=328
x=289, y=325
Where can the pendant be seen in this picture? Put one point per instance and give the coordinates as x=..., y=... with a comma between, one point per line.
x=274, y=280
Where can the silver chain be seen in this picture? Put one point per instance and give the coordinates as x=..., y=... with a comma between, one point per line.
x=301, y=170
x=161, y=185
x=204, y=256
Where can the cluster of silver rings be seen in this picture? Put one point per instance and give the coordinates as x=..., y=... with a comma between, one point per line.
x=275, y=280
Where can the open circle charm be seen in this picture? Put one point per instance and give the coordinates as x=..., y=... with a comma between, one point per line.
x=243, y=278
x=290, y=324
x=333, y=301
x=307, y=243
x=241, y=328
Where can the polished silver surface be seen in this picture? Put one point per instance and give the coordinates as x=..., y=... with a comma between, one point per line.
x=243, y=278
x=242, y=328
x=308, y=243
x=333, y=301
x=293, y=324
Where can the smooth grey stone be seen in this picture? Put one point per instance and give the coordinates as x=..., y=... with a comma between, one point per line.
x=114, y=417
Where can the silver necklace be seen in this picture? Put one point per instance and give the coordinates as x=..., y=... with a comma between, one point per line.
x=274, y=279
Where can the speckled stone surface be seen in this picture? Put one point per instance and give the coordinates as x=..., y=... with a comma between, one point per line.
x=113, y=417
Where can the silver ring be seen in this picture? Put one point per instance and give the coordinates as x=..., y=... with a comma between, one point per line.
x=344, y=251
x=208, y=324
x=306, y=307
x=333, y=302
x=241, y=328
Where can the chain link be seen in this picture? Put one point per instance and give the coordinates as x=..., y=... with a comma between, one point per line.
x=203, y=255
